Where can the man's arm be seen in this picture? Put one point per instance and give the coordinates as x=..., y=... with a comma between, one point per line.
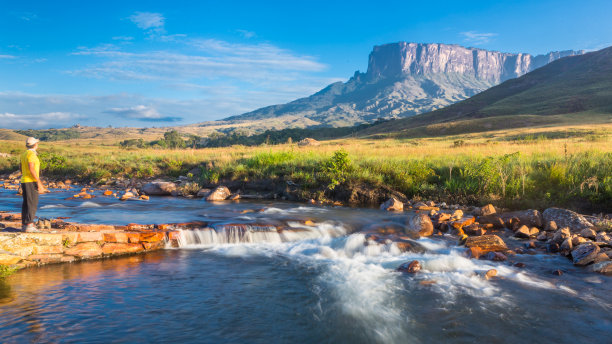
x=41, y=187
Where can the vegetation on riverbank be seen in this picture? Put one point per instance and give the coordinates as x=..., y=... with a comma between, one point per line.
x=519, y=168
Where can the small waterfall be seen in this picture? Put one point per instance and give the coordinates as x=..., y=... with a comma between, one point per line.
x=256, y=233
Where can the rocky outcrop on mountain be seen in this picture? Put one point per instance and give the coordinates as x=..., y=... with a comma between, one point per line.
x=405, y=79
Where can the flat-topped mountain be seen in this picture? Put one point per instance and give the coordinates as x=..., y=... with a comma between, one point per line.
x=405, y=79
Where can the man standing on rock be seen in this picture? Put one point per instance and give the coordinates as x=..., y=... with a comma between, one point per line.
x=31, y=185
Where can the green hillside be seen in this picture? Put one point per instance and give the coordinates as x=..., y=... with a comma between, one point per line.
x=6, y=134
x=572, y=89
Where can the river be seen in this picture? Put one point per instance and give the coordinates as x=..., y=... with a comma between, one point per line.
x=320, y=282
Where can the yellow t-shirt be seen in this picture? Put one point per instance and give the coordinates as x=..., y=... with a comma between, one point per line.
x=27, y=157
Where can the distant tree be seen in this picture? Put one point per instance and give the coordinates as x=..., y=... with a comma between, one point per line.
x=174, y=139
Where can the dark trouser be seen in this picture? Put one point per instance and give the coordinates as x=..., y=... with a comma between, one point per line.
x=30, y=202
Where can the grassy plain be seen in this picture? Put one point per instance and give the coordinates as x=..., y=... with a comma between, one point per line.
x=567, y=166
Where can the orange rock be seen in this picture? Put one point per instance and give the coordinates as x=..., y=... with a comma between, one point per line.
x=133, y=237
x=85, y=250
x=163, y=227
x=117, y=237
x=86, y=196
x=67, y=259
x=144, y=197
x=90, y=236
x=9, y=259
x=466, y=221
x=152, y=236
x=120, y=248
x=46, y=258
x=153, y=245
x=309, y=223
x=108, y=193
x=95, y=228
x=50, y=249
x=486, y=243
x=474, y=252
x=174, y=235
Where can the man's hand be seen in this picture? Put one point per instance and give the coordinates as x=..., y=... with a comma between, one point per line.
x=41, y=188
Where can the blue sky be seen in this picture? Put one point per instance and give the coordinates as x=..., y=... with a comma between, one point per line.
x=162, y=63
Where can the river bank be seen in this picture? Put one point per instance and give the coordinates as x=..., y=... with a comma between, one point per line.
x=487, y=232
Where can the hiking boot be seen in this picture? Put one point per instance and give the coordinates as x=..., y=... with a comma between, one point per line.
x=30, y=228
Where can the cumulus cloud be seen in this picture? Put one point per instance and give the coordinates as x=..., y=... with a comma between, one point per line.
x=477, y=38
x=37, y=121
x=148, y=21
x=142, y=113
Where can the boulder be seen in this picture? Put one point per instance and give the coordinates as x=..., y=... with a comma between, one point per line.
x=203, y=192
x=221, y=193
x=560, y=235
x=418, y=225
x=566, y=218
x=486, y=243
x=523, y=232
x=550, y=226
x=494, y=220
x=602, y=236
x=457, y=214
x=603, y=267
x=159, y=188
x=490, y=274
x=412, y=267
x=585, y=253
x=488, y=209
x=392, y=204
x=588, y=233
x=530, y=217
x=495, y=256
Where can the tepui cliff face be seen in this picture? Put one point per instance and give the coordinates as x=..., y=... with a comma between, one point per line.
x=405, y=79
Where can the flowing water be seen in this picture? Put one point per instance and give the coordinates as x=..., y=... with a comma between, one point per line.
x=315, y=282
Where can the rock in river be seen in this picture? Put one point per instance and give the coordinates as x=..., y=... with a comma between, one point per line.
x=585, y=253
x=486, y=243
x=418, y=225
x=530, y=218
x=392, y=204
x=412, y=267
x=221, y=193
x=159, y=188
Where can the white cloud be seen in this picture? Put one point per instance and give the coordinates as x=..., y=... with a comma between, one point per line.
x=123, y=38
x=148, y=21
x=477, y=38
x=37, y=121
x=246, y=33
x=142, y=113
x=8, y=57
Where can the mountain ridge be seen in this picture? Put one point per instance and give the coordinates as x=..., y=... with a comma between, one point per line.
x=404, y=79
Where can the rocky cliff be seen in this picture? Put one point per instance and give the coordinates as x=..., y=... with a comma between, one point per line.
x=405, y=79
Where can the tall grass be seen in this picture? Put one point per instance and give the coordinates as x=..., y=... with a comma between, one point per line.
x=563, y=170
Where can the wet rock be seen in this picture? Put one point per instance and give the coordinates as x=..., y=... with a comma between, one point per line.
x=159, y=188
x=530, y=217
x=520, y=265
x=603, y=267
x=523, y=232
x=487, y=210
x=473, y=252
x=588, y=233
x=490, y=274
x=585, y=253
x=221, y=193
x=126, y=196
x=557, y=272
x=474, y=229
x=457, y=214
x=566, y=218
x=143, y=197
x=108, y=193
x=406, y=245
x=234, y=197
x=203, y=192
x=418, y=225
x=412, y=267
x=486, y=243
x=552, y=247
x=495, y=256
x=392, y=204
x=121, y=248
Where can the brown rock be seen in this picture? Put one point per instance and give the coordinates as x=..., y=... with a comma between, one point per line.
x=601, y=257
x=459, y=224
x=550, y=226
x=236, y=197
x=9, y=259
x=392, y=204
x=603, y=267
x=152, y=236
x=412, y=267
x=149, y=246
x=494, y=220
x=577, y=240
x=85, y=250
x=133, y=238
x=474, y=252
x=530, y=217
x=221, y=193
x=566, y=218
x=117, y=237
x=443, y=217
x=486, y=243
x=495, y=256
x=457, y=214
x=523, y=232
x=490, y=274
x=46, y=258
x=111, y=248
x=159, y=188
x=588, y=233
x=585, y=253
x=418, y=225
x=90, y=236
x=488, y=209
x=560, y=235
x=557, y=272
